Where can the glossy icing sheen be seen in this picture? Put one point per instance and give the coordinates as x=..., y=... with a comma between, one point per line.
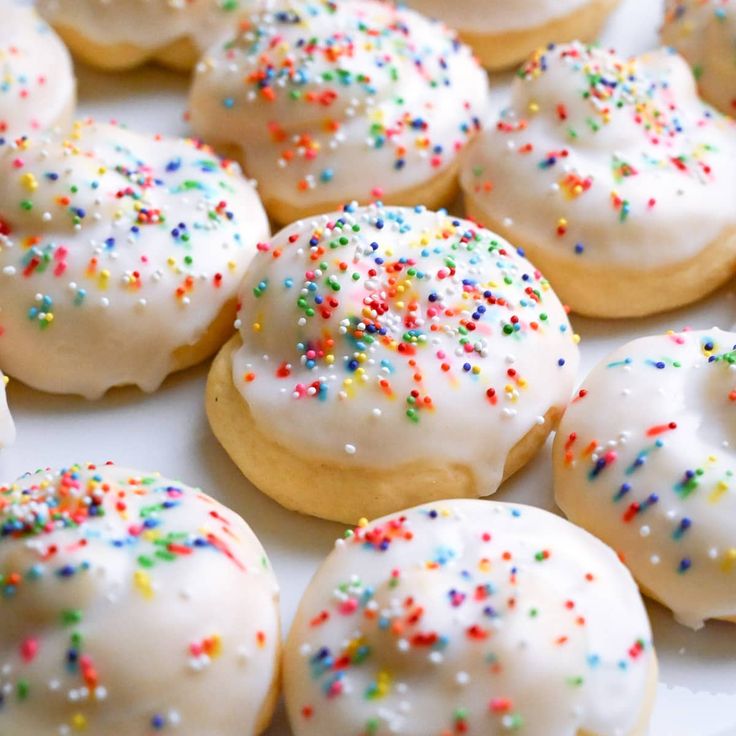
x=469, y=617
x=37, y=86
x=115, y=249
x=609, y=160
x=704, y=32
x=645, y=460
x=331, y=102
x=131, y=604
x=148, y=24
x=7, y=428
x=496, y=16
x=381, y=336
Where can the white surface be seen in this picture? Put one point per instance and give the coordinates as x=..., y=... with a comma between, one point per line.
x=168, y=431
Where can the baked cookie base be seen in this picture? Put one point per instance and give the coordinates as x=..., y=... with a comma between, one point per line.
x=327, y=489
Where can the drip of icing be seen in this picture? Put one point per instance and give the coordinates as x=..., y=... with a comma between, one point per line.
x=7, y=428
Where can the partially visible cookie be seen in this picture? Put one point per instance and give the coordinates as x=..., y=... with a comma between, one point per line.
x=120, y=257
x=121, y=34
x=37, y=85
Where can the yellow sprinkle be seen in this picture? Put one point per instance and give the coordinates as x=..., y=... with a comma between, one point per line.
x=718, y=491
x=329, y=359
x=216, y=646
x=257, y=327
x=576, y=339
x=143, y=583
x=29, y=182
x=363, y=522
x=533, y=107
x=729, y=560
x=79, y=722
x=383, y=684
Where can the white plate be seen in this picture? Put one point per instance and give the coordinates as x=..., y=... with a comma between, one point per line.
x=168, y=431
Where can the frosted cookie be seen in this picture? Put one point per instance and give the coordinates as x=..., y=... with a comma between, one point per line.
x=7, y=428
x=120, y=257
x=37, y=85
x=132, y=604
x=386, y=356
x=120, y=34
x=615, y=178
x=504, y=33
x=470, y=617
x=644, y=459
x=704, y=32
x=329, y=102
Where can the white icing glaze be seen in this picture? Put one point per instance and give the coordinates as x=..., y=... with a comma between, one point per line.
x=610, y=160
x=469, y=617
x=144, y=605
x=381, y=336
x=148, y=24
x=37, y=86
x=330, y=103
x=704, y=32
x=496, y=16
x=121, y=249
x=646, y=461
x=7, y=428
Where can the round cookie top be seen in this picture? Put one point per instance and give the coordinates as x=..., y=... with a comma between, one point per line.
x=127, y=601
x=704, y=32
x=381, y=336
x=608, y=159
x=496, y=16
x=334, y=101
x=469, y=617
x=116, y=249
x=37, y=86
x=7, y=428
x=644, y=458
x=149, y=24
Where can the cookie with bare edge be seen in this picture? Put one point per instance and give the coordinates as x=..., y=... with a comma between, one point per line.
x=614, y=176
x=504, y=33
x=133, y=604
x=7, y=428
x=644, y=460
x=704, y=32
x=328, y=102
x=121, y=34
x=120, y=257
x=471, y=617
x=37, y=84
x=385, y=355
